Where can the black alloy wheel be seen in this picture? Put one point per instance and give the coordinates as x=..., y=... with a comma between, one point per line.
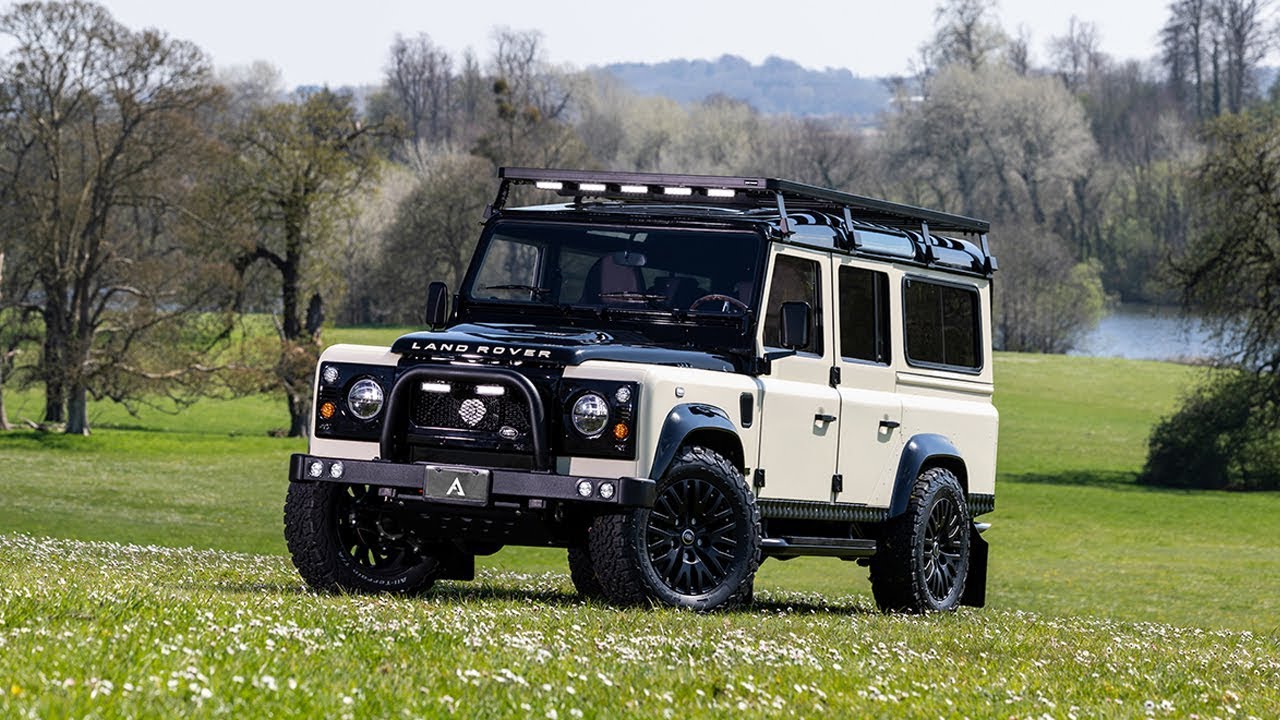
x=343, y=539
x=691, y=536
x=698, y=547
x=922, y=562
x=943, y=550
x=372, y=539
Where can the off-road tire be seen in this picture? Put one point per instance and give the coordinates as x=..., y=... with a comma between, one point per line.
x=923, y=559
x=707, y=567
x=312, y=532
x=583, y=573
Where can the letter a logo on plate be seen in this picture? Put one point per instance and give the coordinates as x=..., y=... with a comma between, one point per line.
x=456, y=488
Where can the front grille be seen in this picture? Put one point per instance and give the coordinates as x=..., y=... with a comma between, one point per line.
x=461, y=407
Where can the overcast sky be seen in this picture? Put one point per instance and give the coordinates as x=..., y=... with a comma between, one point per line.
x=345, y=43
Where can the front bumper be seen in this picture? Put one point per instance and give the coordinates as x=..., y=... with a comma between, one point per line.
x=506, y=489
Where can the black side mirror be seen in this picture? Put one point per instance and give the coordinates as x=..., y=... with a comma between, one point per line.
x=796, y=319
x=437, y=304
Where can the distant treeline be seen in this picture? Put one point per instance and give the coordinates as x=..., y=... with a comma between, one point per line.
x=149, y=202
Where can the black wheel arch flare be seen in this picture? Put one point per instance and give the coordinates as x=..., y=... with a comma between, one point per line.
x=923, y=451
x=704, y=424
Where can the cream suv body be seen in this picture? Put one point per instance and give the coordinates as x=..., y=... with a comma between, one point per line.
x=673, y=377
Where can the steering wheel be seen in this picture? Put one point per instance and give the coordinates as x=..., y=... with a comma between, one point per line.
x=728, y=301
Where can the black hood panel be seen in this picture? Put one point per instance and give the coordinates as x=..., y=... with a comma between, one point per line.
x=537, y=344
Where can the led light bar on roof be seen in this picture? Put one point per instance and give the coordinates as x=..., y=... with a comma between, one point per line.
x=549, y=185
x=635, y=189
x=719, y=192
x=592, y=187
x=677, y=191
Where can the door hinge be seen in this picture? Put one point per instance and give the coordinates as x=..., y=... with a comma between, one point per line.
x=837, y=483
x=835, y=377
x=758, y=479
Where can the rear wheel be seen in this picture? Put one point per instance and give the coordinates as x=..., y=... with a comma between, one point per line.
x=923, y=560
x=698, y=547
x=343, y=539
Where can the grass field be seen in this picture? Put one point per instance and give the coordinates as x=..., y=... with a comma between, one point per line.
x=1104, y=596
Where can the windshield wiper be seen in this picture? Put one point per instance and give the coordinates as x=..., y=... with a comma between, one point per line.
x=532, y=289
x=632, y=296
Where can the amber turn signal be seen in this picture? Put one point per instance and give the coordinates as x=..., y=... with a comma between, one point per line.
x=327, y=410
x=621, y=431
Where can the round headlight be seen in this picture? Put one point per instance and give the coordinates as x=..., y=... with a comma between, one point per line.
x=590, y=414
x=365, y=398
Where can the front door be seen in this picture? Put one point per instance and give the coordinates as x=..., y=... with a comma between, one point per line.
x=800, y=411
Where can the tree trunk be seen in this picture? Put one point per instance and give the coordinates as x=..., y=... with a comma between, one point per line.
x=4, y=417
x=299, y=411
x=78, y=410
x=51, y=364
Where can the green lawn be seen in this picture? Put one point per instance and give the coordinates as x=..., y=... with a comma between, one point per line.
x=1079, y=554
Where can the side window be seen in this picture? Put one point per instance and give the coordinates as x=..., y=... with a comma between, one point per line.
x=864, y=315
x=942, y=324
x=794, y=280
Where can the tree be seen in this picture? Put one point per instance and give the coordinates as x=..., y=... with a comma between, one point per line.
x=1228, y=433
x=1212, y=50
x=967, y=34
x=300, y=166
x=1045, y=300
x=435, y=225
x=420, y=77
x=93, y=121
x=1076, y=55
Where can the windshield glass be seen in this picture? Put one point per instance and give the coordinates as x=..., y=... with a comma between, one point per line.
x=667, y=269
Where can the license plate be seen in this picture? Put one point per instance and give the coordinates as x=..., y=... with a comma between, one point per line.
x=456, y=485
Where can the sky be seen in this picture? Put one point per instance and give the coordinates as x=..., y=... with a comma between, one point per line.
x=345, y=43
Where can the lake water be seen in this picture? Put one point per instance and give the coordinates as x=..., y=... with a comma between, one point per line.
x=1147, y=332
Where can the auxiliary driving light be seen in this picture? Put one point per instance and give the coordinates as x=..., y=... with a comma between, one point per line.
x=623, y=395
x=584, y=488
x=329, y=375
x=335, y=470
x=315, y=469
x=607, y=490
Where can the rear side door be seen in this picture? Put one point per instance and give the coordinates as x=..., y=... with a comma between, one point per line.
x=871, y=437
x=799, y=418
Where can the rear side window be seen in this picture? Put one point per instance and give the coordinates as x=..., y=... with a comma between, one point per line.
x=794, y=280
x=942, y=324
x=864, y=315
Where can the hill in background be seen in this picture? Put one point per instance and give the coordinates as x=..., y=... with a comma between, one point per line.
x=776, y=86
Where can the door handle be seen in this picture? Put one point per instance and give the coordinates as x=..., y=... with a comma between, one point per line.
x=824, y=418
x=889, y=424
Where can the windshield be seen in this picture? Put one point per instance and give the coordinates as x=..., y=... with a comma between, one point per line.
x=646, y=269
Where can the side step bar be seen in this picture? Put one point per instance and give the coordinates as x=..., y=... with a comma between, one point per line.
x=789, y=547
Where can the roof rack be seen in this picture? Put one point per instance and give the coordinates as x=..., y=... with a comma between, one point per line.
x=745, y=192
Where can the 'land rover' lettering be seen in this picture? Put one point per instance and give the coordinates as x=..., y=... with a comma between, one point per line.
x=494, y=350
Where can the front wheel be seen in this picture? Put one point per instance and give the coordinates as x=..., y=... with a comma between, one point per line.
x=698, y=547
x=342, y=539
x=923, y=560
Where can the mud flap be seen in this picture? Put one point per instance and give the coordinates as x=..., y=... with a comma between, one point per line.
x=975, y=587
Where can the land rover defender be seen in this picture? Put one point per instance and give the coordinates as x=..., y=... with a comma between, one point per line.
x=673, y=377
